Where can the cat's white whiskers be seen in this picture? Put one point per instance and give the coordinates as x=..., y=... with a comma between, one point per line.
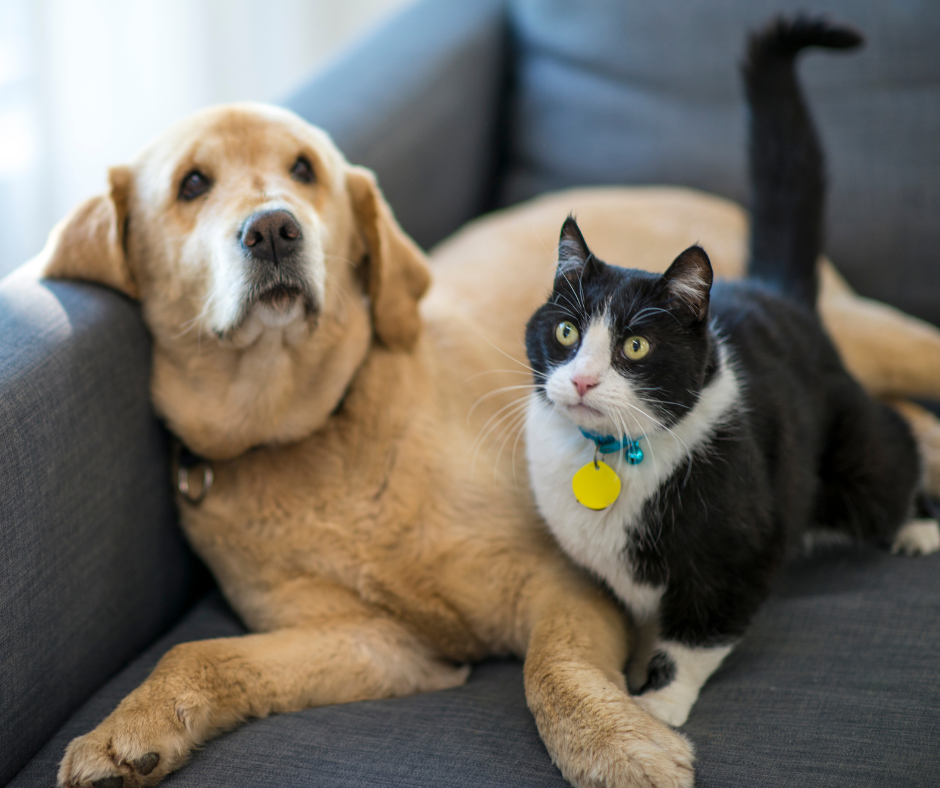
x=649, y=444
x=671, y=432
x=516, y=427
x=621, y=425
x=497, y=392
x=681, y=405
x=568, y=313
x=650, y=447
x=515, y=424
x=495, y=419
x=659, y=424
x=500, y=350
x=551, y=253
x=520, y=430
x=507, y=372
x=494, y=423
x=578, y=298
x=650, y=310
x=578, y=308
x=515, y=444
x=581, y=278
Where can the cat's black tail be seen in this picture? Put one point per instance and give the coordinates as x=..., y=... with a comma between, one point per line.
x=787, y=168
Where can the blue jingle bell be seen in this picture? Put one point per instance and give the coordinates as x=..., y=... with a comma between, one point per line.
x=634, y=453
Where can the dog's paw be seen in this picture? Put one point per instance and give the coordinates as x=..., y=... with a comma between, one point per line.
x=631, y=749
x=917, y=537
x=95, y=760
x=651, y=757
x=130, y=749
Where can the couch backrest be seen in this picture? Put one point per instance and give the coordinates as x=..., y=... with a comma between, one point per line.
x=648, y=91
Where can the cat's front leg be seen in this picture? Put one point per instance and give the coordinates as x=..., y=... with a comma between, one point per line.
x=676, y=674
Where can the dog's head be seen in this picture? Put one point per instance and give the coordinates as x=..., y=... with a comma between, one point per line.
x=265, y=264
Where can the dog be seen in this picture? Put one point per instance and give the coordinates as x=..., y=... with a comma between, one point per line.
x=373, y=538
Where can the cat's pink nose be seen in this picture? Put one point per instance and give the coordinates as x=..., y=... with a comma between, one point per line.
x=583, y=383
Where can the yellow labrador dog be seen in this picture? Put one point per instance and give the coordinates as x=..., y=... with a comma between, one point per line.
x=373, y=537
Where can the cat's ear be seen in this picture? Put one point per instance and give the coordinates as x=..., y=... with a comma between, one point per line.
x=688, y=282
x=574, y=257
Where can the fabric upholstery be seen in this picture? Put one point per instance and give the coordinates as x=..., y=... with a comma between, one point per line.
x=836, y=683
x=609, y=91
x=92, y=565
x=478, y=735
x=419, y=102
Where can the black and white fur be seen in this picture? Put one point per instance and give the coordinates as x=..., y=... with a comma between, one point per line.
x=753, y=432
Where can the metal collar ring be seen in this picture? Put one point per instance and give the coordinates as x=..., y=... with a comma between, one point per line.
x=182, y=482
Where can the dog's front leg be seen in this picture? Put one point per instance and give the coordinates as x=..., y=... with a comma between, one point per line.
x=202, y=688
x=595, y=733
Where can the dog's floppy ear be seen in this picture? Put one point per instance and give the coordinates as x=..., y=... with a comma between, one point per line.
x=89, y=243
x=398, y=274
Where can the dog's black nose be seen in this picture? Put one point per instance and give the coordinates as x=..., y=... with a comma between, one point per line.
x=271, y=235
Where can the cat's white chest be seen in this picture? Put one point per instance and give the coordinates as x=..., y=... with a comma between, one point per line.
x=596, y=540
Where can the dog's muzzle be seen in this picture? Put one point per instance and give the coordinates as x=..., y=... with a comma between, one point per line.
x=273, y=244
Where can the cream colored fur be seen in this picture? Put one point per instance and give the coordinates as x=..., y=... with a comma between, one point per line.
x=372, y=537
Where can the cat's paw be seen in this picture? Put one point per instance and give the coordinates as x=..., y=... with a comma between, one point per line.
x=917, y=537
x=668, y=705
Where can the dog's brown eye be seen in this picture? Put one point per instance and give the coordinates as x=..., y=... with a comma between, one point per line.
x=302, y=170
x=194, y=184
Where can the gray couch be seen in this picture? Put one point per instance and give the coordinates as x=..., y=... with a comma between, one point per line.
x=461, y=107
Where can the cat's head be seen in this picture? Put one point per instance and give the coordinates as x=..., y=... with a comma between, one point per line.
x=620, y=351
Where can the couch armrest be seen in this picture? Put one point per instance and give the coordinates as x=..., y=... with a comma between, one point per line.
x=419, y=100
x=92, y=564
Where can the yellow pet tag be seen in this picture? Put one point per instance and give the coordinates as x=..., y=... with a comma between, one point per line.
x=596, y=485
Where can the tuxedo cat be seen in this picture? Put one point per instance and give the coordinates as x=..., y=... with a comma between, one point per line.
x=685, y=435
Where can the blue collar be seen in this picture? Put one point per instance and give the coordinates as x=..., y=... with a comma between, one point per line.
x=608, y=444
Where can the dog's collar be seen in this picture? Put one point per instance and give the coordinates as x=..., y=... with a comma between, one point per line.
x=187, y=461
x=608, y=444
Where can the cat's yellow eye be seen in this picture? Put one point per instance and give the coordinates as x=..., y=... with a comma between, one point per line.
x=635, y=348
x=566, y=333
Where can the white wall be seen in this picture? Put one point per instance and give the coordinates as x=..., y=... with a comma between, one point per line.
x=85, y=83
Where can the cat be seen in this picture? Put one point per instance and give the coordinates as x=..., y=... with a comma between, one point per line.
x=684, y=435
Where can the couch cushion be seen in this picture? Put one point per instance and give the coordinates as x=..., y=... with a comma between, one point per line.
x=836, y=683
x=478, y=735
x=609, y=91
